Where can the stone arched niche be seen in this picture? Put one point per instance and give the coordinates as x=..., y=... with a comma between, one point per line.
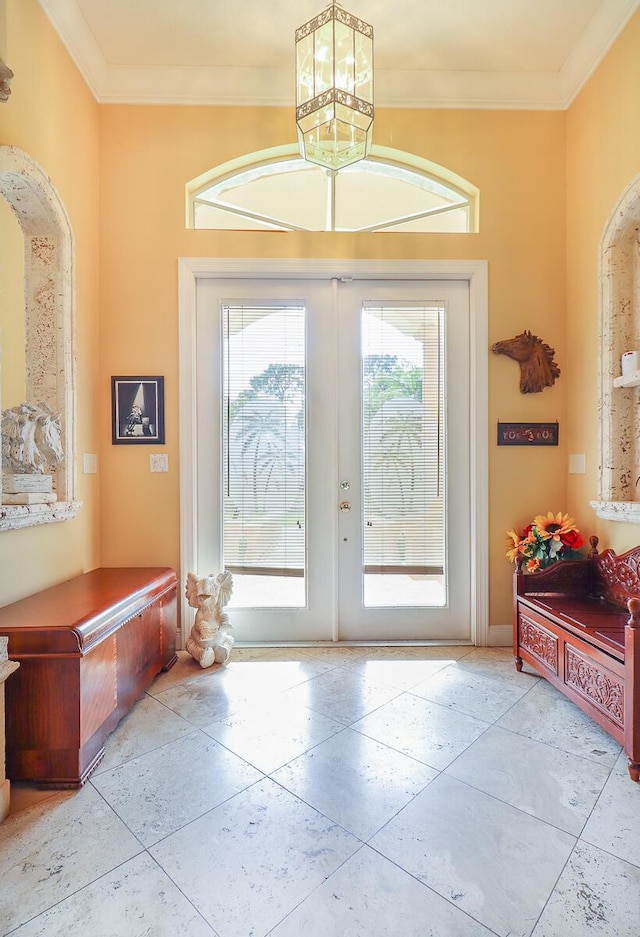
x=619, y=397
x=49, y=321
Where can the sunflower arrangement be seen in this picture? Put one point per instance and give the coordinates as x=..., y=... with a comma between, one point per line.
x=547, y=539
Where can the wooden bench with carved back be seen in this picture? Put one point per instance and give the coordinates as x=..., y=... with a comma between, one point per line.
x=577, y=623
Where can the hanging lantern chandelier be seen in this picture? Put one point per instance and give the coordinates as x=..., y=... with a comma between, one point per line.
x=334, y=88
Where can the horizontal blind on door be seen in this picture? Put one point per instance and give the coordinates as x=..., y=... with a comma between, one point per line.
x=403, y=439
x=264, y=393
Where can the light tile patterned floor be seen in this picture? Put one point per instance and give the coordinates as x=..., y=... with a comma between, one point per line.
x=336, y=792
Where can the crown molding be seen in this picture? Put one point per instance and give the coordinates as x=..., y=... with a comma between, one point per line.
x=241, y=86
x=191, y=84
x=72, y=28
x=403, y=89
x=603, y=30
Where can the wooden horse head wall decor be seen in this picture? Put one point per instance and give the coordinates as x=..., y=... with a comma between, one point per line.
x=537, y=367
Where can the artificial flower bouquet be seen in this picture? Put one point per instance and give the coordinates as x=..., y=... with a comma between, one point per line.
x=549, y=538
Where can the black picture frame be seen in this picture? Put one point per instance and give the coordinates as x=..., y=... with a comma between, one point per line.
x=137, y=411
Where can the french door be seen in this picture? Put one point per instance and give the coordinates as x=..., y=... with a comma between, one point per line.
x=332, y=457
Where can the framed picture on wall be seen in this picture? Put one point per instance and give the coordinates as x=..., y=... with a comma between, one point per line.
x=137, y=411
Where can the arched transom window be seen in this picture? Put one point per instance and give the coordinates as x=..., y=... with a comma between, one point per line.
x=276, y=190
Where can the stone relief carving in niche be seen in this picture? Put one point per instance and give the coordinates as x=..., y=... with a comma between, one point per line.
x=619, y=406
x=31, y=451
x=537, y=366
x=31, y=440
x=6, y=76
x=39, y=433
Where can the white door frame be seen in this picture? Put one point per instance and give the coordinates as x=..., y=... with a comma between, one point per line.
x=190, y=269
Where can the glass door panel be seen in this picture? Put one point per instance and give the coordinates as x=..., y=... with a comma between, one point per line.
x=264, y=466
x=403, y=528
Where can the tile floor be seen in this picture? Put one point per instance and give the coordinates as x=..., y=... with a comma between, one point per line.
x=342, y=792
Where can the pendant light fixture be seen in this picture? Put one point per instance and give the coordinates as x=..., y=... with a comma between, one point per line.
x=334, y=88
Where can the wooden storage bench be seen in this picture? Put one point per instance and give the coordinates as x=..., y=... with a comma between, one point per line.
x=88, y=648
x=577, y=623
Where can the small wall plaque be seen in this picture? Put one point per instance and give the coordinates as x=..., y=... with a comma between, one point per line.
x=528, y=434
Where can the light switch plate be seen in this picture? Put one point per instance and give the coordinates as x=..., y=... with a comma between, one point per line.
x=159, y=462
x=90, y=463
x=577, y=464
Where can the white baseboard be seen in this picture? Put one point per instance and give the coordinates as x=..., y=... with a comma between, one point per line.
x=500, y=636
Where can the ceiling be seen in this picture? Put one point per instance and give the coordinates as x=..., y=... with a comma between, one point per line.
x=428, y=53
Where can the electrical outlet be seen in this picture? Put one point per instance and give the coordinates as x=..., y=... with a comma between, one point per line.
x=159, y=462
x=90, y=463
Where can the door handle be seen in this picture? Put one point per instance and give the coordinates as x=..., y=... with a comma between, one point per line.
x=345, y=506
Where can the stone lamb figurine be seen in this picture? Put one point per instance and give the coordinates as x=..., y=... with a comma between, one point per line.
x=211, y=637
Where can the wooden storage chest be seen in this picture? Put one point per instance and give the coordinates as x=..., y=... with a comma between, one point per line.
x=88, y=648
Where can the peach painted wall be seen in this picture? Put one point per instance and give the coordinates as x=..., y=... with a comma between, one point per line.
x=517, y=159
x=126, y=168
x=52, y=116
x=603, y=156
